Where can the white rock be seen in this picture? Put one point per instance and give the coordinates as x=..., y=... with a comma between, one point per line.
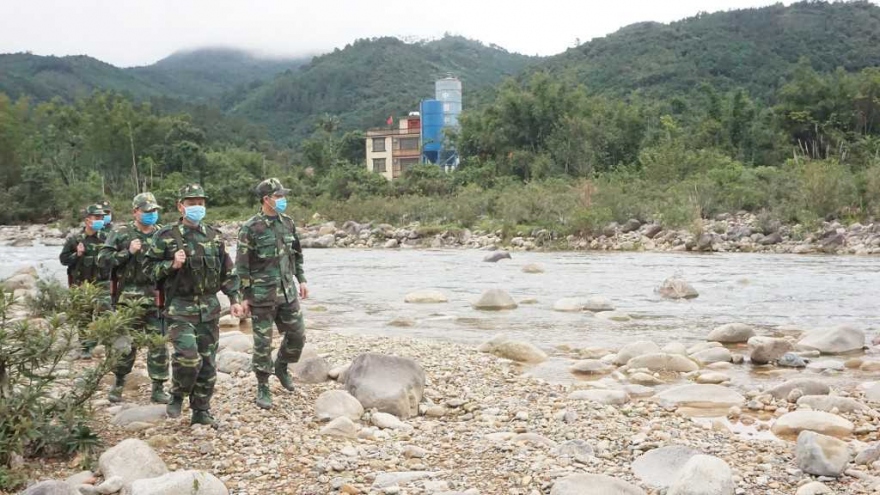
x=675, y=348
x=712, y=378
x=178, y=483
x=821, y=455
x=836, y=340
x=333, y=404
x=763, y=350
x=593, y=484
x=715, y=355
x=237, y=342
x=570, y=304
x=597, y=304
x=613, y=316
x=607, y=397
x=591, y=367
x=577, y=450
x=700, y=396
x=427, y=296
x=731, y=333
x=233, y=362
x=387, y=421
x=659, y=468
x=131, y=460
x=338, y=373
x=390, y=384
x=676, y=288
x=494, y=300
x=808, y=386
x=635, y=349
x=501, y=345
x=704, y=475
x=384, y=480
x=51, y=487
x=793, y=423
x=663, y=362
x=533, y=268
x=814, y=488
x=141, y=414
x=340, y=427
x=311, y=370
x=110, y=485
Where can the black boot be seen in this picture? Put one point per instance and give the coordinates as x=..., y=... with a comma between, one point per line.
x=159, y=396
x=203, y=418
x=175, y=406
x=284, y=375
x=264, y=397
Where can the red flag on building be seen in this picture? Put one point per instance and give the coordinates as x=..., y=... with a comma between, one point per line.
x=390, y=120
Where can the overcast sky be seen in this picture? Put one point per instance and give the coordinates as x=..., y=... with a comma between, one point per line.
x=140, y=32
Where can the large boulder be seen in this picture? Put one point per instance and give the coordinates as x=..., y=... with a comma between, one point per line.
x=676, y=288
x=51, y=487
x=593, y=484
x=311, y=370
x=731, y=333
x=390, y=384
x=808, y=386
x=838, y=340
x=427, y=296
x=700, y=396
x=333, y=404
x=659, y=468
x=233, y=362
x=180, y=482
x=496, y=256
x=131, y=460
x=235, y=341
x=821, y=455
x=20, y=281
x=663, y=362
x=515, y=350
x=141, y=414
x=494, y=300
x=704, y=475
x=791, y=424
x=763, y=350
x=635, y=349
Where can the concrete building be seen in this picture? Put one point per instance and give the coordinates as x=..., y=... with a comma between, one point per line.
x=391, y=151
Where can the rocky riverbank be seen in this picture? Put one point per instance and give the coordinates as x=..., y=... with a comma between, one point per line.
x=404, y=416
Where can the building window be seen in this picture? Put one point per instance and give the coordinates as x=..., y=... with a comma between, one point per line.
x=409, y=143
x=378, y=144
x=379, y=165
x=407, y=163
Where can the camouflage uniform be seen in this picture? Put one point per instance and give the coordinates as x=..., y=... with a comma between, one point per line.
x=134, y=283
x=192, y=310
x=268, y=258
x=85, y=268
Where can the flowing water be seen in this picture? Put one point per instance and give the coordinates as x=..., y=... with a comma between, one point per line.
x=360, y=291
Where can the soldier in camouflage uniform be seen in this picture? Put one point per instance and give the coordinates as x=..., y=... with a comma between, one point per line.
x=189, y=261
x=108, y=216
x=269, y=257
x=80, y=256
x=124, y=252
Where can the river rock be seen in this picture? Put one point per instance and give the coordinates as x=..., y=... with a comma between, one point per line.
x=838, y=340
x=591, y=367
x=402, y=322
x=493, y=300
x=515, y=350
x=20, y=281
x=311, y=370
x=496, y=256
x=80, y=478
x=702, y=346
x=663, y=362
x=613, y=316
x=814, y=488
x=385, y=480
x=131, y=460
x=141, y=414
x=675, y=348
x=387, y=421
x=597, y=304
x=827, y=403
x=659, y=468
x=703, y=475
x=793, y=423
x=390, y=384
x=645, y=379
x=333, y=404
x=340, y=427
x=577, y=450
x=712, y=378
x=791, y=360
x=872, y=393
x=821, y=455
x=763, y=350
x=715, y=355
x=676, y=288
x=570, y=304
x=51, y=487
x=635, y=349
x=700, y=396
x=593, y=484
x=237, y=342
x=868, y=456
x=808, y=386
x=110, y=485
x=391, y=244
x=180, y=482
x=606, y=397
x=233, y=362
x=826, y=365
x=533, y=268
x=731, y=333
x=428, y=296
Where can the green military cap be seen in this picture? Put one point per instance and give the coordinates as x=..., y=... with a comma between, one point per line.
x=271, y=187
x=106, y=206
x=95, y=209
x=192, y=191
x=145, y=202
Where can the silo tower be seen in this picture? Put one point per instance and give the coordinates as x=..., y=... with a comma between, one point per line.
x=448, y=91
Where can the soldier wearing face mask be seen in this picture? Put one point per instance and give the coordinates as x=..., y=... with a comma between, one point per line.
x=125, y=253
x=80, y=256
x=108, y=216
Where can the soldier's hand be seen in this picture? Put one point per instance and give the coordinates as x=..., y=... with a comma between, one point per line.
x=179, y=259
x=80, y=249
x=245, y=309
x=135, y=246
x=237, y=310
x=303, y=291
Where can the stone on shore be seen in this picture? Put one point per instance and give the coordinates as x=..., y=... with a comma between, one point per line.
x=502, y=346
x=821, y=455
x=390, y=384
x=494, y=300
x=593, y=484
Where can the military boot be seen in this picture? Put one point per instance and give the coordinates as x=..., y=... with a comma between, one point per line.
x=284, y=375
x=175, y=406
x=159, y=396
x=203, y=418
x=115, y=394
x=264, y=397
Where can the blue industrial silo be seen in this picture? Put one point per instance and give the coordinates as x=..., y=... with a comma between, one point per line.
x=432, y=129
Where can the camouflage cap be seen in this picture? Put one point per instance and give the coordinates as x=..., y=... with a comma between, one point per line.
x=192, y=191
x=145, y=202
x=271, y=186
x=106, y=206
x=95, y=209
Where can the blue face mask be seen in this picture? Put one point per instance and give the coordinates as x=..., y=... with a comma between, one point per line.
x=150, y=218
x=108, y=218
x=97, y=224
x=195, y=214
x=280, y=205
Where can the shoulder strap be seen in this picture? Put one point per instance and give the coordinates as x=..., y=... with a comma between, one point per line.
x=178, y=237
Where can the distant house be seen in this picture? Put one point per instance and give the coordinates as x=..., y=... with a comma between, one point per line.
x=391, y=151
